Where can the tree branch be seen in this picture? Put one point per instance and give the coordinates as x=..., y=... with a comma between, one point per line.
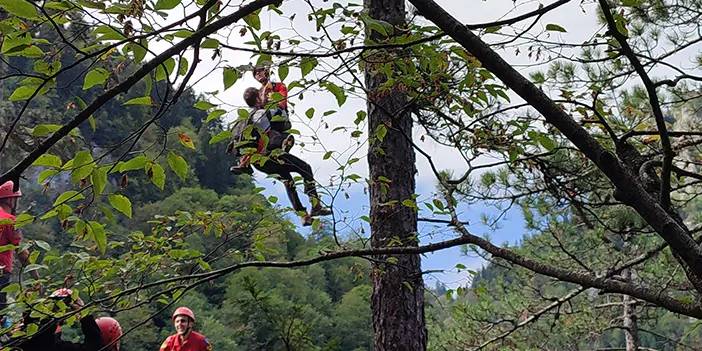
x=18, y=169
x=657, y=217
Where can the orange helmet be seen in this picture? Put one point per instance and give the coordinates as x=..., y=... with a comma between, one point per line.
x=7, y=190
x=110, y=331
x=183, y=311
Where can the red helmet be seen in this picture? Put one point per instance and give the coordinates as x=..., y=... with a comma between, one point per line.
x=110, y=330
x=61, y=293
x=183, y=311
x=7, y=190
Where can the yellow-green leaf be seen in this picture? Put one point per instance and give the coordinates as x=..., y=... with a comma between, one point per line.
x=19, y=8
x=121, y=203
x=143, y=100
x=178, y=164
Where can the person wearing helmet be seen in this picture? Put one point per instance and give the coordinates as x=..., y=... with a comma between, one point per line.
x=9, y=235
x=185, y=338
x=110, y=332
x=282, y=164
x=278, y=117
x=99, y=334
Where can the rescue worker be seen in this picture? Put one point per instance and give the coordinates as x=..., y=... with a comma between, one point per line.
x=282, y=164
x=9, y=235
x=185, y=338
x=98, y=333
x=277, y=114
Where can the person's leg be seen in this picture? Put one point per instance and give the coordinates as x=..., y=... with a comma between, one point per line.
x=297, y=165
x=272, y=167
x=4, y=281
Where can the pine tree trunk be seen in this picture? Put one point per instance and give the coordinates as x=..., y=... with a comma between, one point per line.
x=398, y=287
x=631, y=328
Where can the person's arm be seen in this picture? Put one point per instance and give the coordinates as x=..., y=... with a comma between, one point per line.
x=91, y=332
x=14, y=236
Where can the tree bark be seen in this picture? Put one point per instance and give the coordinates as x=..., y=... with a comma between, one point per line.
x=631, y=327
x=398, y=287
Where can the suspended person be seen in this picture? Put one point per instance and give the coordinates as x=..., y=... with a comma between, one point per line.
x=277, y=114
x=281, y=164
x=9, y=235
x=98, y=334
x=185, y=338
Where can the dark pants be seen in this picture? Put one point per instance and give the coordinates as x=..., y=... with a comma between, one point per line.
x=285, y=164
x=4, y=281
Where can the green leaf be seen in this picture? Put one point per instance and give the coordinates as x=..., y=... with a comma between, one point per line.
x=68, y=196
x=214, y=115
x=143, y=100
x=178, y=165
x=23, y=219
x=96, y=76
x=231, y=75
x=19, y=8
x=210, y=43
x=43, y=245
x=282, y=72
x=157, y=175
x=327, y=155
x=307, y=64
x=161, y=72
x=409, y=203
x=253, y=21
x=339, y=93
x=99, y=235
x=310, y=112
x=380, y=132
x=137, y=162
x=121, y=203
x=203, y=105
x=166, y=4
x=139, y=49
x=438, y=204
x=23, y=92
x=555, y=28
x=48, y=160
x=83, y=165
x=45, y=174
x=43, y=130
x=221, y=136
x=99, y=179
x=183, y=66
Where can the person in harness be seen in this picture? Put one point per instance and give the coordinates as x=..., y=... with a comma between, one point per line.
x=99, y=334
x=277, y=114
x=256, y=136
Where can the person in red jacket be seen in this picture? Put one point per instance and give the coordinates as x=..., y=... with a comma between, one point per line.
x=278, y=114
x=185, y=338
x=9, y=235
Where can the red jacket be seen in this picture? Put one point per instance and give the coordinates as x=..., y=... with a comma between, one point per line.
x=194, y=342
x=8, y=235
x=275, y=87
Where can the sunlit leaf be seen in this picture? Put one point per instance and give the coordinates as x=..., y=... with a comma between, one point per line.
x=121, y=203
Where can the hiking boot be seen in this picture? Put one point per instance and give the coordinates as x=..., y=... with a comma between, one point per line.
x=320, y=211
x=288, y=143
x=306, y=220
x=241, y=170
